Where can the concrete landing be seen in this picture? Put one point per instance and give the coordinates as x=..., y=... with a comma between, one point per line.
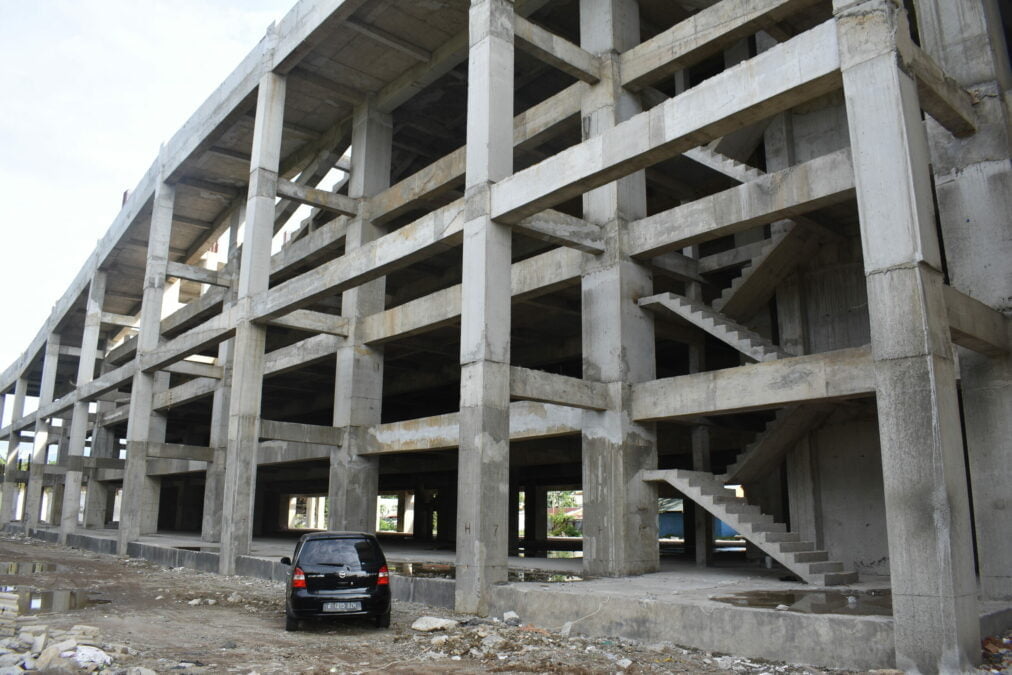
x=681, y=604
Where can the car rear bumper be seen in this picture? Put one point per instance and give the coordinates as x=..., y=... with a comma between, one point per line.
x=304, y=604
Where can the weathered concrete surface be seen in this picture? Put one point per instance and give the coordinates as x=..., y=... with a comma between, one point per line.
x=927, y=508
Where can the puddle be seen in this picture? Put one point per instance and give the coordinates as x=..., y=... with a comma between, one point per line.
x=446, y=571
x=24, y=601
x=542, y=576
x=424, y=570
x=856, y=603
x=23, y=568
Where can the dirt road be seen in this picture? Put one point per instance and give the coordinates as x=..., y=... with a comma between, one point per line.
x=179, y=620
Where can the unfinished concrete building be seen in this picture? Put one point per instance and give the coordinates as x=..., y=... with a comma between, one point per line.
x=639, y=249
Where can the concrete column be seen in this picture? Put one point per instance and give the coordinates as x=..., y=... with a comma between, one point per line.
x=536, y=520
x=250, y=338
x=79, y=422
x=973, y=183
x=214, y=478
x=446, y=514
x=620, y=512
x=141, y=492
x=11, y=491
x=483, y=460
x=804, y=500
x=40, y=448
x=358, y=381
x=96, y=499
x=702, y=521
x=514, y=518
x=937, y=626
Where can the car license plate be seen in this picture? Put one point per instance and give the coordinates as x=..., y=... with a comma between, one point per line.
x=342, y=607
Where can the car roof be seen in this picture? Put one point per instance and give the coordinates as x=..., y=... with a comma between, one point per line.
x=337, y=535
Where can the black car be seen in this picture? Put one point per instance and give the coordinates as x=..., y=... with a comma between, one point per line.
x=337, y=574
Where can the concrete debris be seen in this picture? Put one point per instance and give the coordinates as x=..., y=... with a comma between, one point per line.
x=427, y=624
x=194, y=602
x=511, y=618
x=623, y=663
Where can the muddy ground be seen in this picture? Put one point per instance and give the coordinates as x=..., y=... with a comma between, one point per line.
x=180, y=620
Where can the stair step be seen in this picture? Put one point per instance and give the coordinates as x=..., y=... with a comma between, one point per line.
x=810, y=556
x=824, y=567
x=834, y=579
x=740, y=506
x=795, y=546
x=778, y=537
x=770, y=528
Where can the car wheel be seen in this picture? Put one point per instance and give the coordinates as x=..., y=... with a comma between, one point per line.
x=383, y=620
x=291, y=623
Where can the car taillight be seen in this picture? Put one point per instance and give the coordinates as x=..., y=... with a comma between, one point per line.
x=384, y=577
x=298, y=578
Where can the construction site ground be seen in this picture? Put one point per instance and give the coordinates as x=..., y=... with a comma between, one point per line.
x=142, y=616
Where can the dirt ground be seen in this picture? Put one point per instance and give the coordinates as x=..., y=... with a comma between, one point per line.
x=180, y=620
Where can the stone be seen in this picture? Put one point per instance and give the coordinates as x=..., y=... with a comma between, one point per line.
x=53, y=652
x=86, y=655
x=11, y=659
x=439, y=640
x=623, y=663
x=492, y=642
x=10, y=670
x=511, y=618
x=427, y=624
x=212, y=601
x=194, y=602
x=234, y=597
x=140, y=670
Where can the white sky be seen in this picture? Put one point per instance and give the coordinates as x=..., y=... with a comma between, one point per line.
x=89, y=89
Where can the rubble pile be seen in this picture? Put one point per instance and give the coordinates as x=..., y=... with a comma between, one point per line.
x=38, y=647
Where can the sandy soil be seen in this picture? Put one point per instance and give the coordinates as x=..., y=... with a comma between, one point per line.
x=180, y=620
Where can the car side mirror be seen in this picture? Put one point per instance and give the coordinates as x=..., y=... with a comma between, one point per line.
x=286, y=561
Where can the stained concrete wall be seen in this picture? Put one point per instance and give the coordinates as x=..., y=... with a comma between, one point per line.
x=853, y=505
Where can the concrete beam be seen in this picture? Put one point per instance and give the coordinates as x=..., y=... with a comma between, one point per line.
x=199, y=274
x=194, y=390
x=975, y=325
x=192, y=453
x=301, y=353
x=529, y=129
x=791, y=73
x=312, y=322
x=556, y=51
x=528, y=420
x=321, y=199
x=437, y=231
x=702, y=35
x=819, y=182
x=122, y=320
x=562, y=229
x=211, y=332
x=940, y=95
x=272, y=430
x=194, y=369
x=529, y=278
x=846, y=373
x=537, y=385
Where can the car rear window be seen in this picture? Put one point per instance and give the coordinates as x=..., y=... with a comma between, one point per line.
x=350, y=553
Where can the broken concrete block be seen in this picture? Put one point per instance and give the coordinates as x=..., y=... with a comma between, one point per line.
x=427, y=624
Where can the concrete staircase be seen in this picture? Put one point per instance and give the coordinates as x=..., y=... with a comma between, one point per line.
x=800, y=557
x=760, y=277
x=749, y=343
x=732, y=168
x=781, y=434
